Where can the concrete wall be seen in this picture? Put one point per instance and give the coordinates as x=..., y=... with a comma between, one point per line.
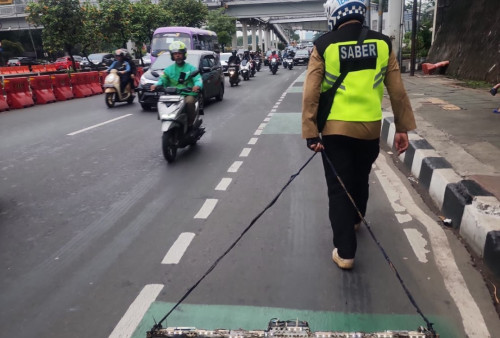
x=468, y=35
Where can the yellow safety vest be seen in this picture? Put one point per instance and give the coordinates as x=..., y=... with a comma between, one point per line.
x=359, y=96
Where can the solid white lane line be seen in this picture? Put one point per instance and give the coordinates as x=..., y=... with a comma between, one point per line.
x=472, y=319
x=418, y=243
x=253, y=140
x=223, y=184
x=235, y=167
x=245, y=152
x=97, y=125
x=258, y=132
x=178, y=249
x=206, y=208
x=129, y=322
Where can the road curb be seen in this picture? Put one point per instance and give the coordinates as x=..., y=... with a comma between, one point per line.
x=473, y=211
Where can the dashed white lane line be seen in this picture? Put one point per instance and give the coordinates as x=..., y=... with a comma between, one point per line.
x=262, y=126
x=136, y=311
x=97, y=125
x=223, y=184
x=267, y=119
x=418, y=244
x=178, y=249
x=258, y=132
x=270, y=114
x=245, y=152
x=273, y=110
x=253, y=140
x=206, y=208
x=235, y=167
x=472, y=319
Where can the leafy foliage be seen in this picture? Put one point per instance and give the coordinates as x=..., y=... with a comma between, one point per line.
x=223, y=25
x=190, y=13
x=145, y=17
x=61, y=21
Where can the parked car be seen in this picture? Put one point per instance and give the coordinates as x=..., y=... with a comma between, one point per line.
x=224, y=57
x=207, y=62
x=66, y=63
x=301, y=57
x=98, y=60
x=22, y=61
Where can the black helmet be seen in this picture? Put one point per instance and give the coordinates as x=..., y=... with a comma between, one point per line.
x=234, y=52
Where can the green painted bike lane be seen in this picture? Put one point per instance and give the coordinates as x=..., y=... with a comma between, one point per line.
x=256, y=318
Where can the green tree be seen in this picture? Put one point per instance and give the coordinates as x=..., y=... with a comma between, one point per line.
x=145, y=17
x=61, y=21
x=116, y=21
x=92, y=38
x=223, y=25
x=10, y=49
x=190, y=13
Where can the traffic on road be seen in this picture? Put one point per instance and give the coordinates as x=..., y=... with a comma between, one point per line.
x=102, y=237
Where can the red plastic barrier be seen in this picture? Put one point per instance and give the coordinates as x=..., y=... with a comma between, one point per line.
x=41, y=89
x=88, y=83
x=8, y=70
x=18, y=92
x=430, y=68
x=95, y=83
x=3, y=104
x=61, y=86
x=79, y=84
x=102, y=76
x=38, y=69
x=50, y=68
x=22, y=69
x=138, y=75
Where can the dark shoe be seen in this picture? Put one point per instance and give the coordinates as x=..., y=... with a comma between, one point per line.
x=345, y=264
x=493, y=91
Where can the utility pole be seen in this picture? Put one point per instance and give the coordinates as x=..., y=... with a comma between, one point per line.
x=413, y=38
x=380, y=15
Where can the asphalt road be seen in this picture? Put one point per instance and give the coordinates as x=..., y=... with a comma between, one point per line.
x=100, y=237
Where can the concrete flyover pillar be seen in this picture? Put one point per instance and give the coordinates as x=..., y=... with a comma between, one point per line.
x=254, y=39
x=267, y=40
x=235, y=42
x=245, y=35
x=261, y=45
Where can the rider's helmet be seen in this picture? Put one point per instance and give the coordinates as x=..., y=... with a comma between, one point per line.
x=273, y=52
x=246, y=53
x=234, y=52
x=119, y=52
x=177, y=47
x=340, y=11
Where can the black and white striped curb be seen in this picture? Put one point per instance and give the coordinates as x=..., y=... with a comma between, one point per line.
x=473, y=210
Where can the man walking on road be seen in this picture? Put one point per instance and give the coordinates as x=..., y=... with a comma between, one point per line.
x=362, y=60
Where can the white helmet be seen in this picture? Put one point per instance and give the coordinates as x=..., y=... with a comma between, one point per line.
x=340, y=11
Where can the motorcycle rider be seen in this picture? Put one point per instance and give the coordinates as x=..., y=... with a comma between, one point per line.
x=173, y=73
x=234, y=59
x=273, y=55
x=123, y=68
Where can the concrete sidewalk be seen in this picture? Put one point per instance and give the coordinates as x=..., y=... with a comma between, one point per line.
x=454, y=156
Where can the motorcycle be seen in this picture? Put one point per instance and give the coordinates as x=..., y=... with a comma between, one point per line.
x=112, y=90
x=234, y=75
x=174, y=121
x=252, y=68
x=274, y=65
x=289, y=61
x=258, y=63
x=245, y=70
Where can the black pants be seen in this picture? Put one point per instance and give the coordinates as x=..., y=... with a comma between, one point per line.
x=352, y=159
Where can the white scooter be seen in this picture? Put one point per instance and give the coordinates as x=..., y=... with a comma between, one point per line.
x=112, y=90
x=174, y=121
x=245, y=69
